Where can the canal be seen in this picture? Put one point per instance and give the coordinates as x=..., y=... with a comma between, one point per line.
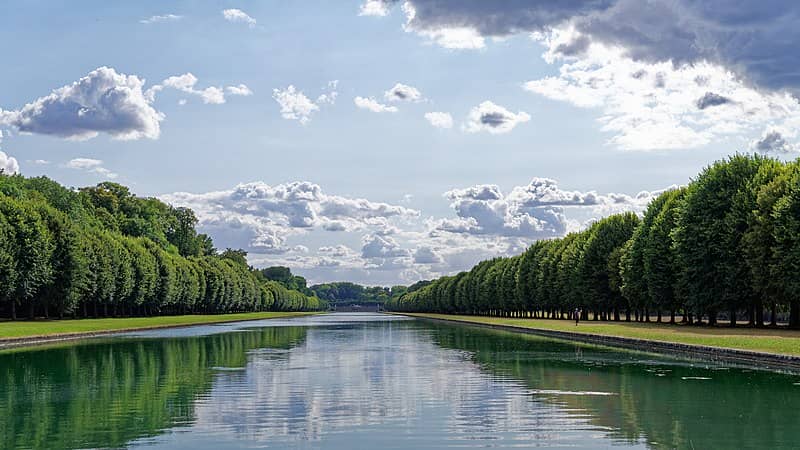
x=371, y=381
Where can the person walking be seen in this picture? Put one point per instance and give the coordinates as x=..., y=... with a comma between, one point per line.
x=577, y=314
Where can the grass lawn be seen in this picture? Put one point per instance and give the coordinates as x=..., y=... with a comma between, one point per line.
x=781, y=341
x=37, y=328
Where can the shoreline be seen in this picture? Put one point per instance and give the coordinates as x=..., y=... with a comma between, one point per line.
x=31, y=341
x=749, y=358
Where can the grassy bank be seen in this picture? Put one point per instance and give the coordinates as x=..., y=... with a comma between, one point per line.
x=778, y=341
x=50, y=328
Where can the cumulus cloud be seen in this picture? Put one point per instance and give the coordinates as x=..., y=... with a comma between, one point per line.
x=753, y=39
x=8, y=164
x=295, y=105
x=241, y=89
x=337, y=251
x=403, y=93
x=104, y=101
x=90, y=165
x=774, y=141
x=373, y=105
x=535, y=211
x=678, y=74
x=265, y=216
x=186, y=83
x=493, y=118
x=684, y=112
x=329, y=97
x=238, y=16
x=427, y=255
x=392, y=243
x=376, y=246
x=161, y=18
x=439, y=119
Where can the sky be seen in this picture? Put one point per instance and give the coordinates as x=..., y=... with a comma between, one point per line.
x=384, y=142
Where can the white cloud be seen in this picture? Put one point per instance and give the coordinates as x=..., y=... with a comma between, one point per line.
x=186, y=83
x=265, y=216
x=374, y=8
x=403, y=93
x=376, y=246
x=493, y=118
x=104, y=101
x=241, y=89
x=651, y=106
x=373, y=105
x=90, y=165
x=439, y=119
x=161, y=18
x=238, y=16
x=386, y=243
x=535, y=211
x=294, y=104
x=330, y=96
x=8, y=164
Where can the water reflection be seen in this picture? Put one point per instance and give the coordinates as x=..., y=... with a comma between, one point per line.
x=368, y=381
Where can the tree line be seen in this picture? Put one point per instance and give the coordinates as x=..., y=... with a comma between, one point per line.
x=102, y=251
x=346, y=292
x=726, y=246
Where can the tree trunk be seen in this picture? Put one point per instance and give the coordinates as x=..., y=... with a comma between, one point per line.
x=672, y=317
x=760, y=314
x=732, y=319
x=627, y=315
x=774, y=318
x=13, y=309
x=794, y=314
x=31, y=310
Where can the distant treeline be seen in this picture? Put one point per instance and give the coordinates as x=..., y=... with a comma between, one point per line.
x=101, y=251
x=728, y=243
x=347, y=292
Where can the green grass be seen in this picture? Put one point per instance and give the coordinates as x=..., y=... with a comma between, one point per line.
x=780, y=341
x=41, y=328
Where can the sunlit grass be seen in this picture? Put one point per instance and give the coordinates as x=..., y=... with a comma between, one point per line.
x=31, y=328
x=768, y=340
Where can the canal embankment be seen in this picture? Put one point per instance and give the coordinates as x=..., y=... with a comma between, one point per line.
x=36, y=332
x=762, y=348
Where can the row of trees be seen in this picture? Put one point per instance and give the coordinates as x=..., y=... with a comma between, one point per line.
x=343, y=292
x=102, y=251
x=727, y=244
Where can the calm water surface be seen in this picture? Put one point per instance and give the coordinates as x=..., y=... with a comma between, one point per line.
x=367, y=381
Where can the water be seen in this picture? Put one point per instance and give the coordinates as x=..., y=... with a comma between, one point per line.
x=368, y=381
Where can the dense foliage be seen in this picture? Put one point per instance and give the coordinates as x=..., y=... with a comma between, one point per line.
x=343, y=292
x=104, y=251
x=728, y=243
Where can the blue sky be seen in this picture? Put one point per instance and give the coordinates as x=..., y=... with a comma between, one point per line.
x=556, y=120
